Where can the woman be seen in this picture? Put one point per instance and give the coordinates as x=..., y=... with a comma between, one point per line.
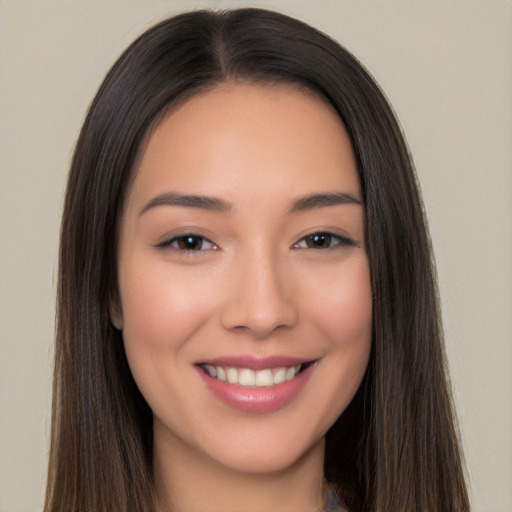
x=248, y=313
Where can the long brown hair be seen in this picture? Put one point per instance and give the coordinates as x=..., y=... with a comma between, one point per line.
x=395, y=448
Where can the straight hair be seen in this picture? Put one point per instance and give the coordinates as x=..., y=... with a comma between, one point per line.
x=395, y=448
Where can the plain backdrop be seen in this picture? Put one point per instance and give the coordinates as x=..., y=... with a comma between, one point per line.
x=446, y=67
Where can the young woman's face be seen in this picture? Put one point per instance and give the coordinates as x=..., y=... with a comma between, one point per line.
x=245, y=299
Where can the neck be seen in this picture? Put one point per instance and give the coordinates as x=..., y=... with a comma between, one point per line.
x=188, y=482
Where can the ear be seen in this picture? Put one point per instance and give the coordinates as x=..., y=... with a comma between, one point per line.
x=116, y=314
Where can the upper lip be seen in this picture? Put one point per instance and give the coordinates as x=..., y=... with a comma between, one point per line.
x=255, y=363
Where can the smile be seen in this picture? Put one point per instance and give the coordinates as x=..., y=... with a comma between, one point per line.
x=256, y=385
x=249, y=378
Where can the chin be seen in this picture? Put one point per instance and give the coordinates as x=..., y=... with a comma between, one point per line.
x=268, y=454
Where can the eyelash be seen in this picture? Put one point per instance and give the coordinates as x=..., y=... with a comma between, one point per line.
x=331, y=239
x=188, y=238
x=308, y=242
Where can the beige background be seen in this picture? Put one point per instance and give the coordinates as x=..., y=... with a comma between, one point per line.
x=447, y=68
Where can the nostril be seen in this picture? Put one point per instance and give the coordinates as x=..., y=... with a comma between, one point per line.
x=259, y=300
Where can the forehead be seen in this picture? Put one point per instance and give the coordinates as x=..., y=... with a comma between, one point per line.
x=247, y=131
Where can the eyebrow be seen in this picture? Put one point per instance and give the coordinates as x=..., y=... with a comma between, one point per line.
x=208, y=203
x=323, y=200
x=215, y=204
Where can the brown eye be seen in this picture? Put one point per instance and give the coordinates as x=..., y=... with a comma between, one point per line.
x=323, y=240
x=319, y=241
x=190, y=243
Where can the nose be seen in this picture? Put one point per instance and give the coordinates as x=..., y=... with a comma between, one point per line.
x=259, y=299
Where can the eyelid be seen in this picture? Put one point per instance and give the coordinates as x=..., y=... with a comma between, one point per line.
x=170, y=242
x=341, y=240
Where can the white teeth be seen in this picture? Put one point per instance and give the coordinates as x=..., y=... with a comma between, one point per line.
x=290, y=373
x=232, y=375
x=221, y=374
x=280, y=376
x=210, y=370
x=264, y=378
x=250, y=378
x=246, y=378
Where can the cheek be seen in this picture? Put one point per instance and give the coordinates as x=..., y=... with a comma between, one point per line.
x=155, y=297
x=342, y=311
x=161, y=311
x=342, y=305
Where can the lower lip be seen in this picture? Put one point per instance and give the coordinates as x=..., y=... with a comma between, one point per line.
x=257, y=400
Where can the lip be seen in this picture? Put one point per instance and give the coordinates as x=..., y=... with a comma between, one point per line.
x=257, y=400
x=255, y=363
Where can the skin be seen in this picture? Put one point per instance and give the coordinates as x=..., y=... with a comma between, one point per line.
x=255, y=285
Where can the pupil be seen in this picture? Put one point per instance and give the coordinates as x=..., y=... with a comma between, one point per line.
x=190, y=243
x=320, y=240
